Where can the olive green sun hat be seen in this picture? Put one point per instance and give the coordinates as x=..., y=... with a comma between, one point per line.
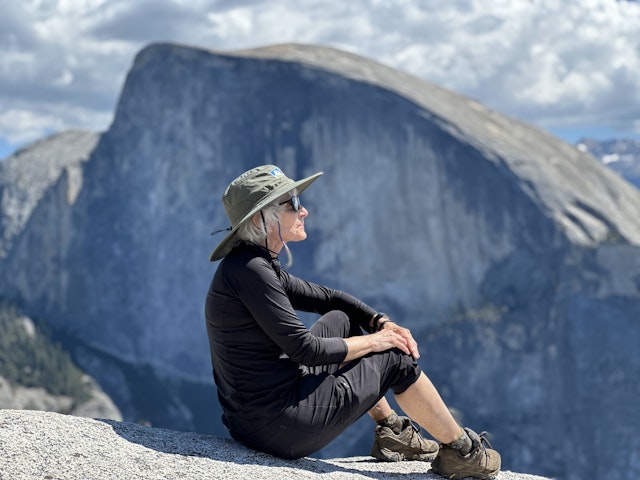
x=250, y=193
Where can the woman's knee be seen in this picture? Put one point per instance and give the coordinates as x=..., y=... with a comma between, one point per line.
x=332, y=324
x=407, y=371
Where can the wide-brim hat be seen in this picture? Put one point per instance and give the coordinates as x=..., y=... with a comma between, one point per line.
x=250, y=193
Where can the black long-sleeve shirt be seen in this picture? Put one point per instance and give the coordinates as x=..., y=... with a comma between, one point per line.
x=257, y=341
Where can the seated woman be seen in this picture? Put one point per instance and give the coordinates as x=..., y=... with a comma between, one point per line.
x=287, y=390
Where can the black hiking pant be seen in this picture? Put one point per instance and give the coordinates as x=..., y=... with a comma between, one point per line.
x=330, y=398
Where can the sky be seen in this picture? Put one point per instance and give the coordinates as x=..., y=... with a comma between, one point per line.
x=570, y=67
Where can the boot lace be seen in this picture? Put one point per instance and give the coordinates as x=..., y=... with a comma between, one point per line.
x=482, y=446
x=484, y=440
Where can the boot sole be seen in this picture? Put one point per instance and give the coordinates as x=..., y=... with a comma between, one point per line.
x=387, y=455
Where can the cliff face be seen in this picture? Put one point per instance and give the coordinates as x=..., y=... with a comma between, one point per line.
x=29, y=174
x=512, y=256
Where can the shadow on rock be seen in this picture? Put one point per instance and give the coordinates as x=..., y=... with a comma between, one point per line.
x=229, y=450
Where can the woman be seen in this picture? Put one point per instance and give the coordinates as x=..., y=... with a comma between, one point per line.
x=288, y=390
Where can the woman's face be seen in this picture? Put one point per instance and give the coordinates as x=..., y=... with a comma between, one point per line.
x=291, y=224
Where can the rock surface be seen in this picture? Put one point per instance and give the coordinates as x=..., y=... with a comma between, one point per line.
x=512, y=256
x=54, y=446
x=19, y=397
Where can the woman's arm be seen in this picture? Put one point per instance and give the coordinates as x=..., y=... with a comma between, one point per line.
x=256, y=285
x=310, y=297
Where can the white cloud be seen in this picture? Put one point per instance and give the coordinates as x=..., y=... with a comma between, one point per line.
x=19, y=126
x=548, y=62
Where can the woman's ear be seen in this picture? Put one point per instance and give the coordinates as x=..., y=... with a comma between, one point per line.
x=256, y=220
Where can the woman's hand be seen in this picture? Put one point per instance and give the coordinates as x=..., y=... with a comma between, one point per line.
x=411, y=346
x=391, y=336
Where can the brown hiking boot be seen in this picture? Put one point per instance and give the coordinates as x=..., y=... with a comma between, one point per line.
x=389, y=446
x=480, y=462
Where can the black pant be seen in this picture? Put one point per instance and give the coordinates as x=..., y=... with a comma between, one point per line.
x=332, y=397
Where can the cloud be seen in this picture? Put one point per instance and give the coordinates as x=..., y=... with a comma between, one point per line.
x=146, y=20
x=551, y=63
x=20, y=126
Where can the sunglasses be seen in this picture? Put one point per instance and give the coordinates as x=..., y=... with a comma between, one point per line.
x=294, y=201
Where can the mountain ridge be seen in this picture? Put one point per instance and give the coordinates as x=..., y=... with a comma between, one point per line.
x=498, y=136
x=622, y=155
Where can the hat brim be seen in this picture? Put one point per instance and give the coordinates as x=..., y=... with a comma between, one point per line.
x=224, y=247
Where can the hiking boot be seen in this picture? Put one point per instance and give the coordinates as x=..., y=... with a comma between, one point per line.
x=389, y=446
x=480, y=462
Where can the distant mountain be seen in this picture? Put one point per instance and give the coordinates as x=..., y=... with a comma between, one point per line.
x=621, y=155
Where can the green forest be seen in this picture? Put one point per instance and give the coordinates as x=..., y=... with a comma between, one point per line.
x=30, y=358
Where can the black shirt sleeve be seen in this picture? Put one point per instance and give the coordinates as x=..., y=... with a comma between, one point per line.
x=257, y=285
x=310, y=297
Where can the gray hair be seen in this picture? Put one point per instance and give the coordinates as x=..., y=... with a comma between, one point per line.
x=252, y=233
x=255, y=233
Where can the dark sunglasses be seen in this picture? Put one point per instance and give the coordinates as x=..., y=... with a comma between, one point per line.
x=294, y=201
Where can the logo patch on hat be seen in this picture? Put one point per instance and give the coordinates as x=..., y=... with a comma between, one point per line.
x=276, y=172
